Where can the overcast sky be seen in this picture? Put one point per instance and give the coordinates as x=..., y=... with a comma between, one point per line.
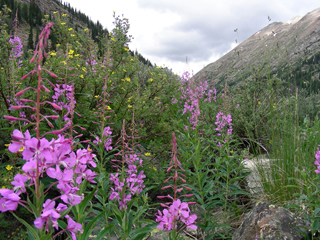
x=166, y=31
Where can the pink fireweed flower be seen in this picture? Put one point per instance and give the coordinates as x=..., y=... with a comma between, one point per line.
x=177, y=210
x=224, y=127
x=73, y=227
x=133, y=180
x=49, y=215
x=19, y=183
x=192, y=96
x=18, y=140
x=317, y=161
x=9, y=200
x=84, y=173
x=70, y=196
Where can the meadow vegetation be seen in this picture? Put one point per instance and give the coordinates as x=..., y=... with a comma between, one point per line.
x=93, y=141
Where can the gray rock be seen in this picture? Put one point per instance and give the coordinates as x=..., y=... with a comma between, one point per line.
x=267, y=221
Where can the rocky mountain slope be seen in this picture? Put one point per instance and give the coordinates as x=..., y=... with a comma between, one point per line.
x=288, y=50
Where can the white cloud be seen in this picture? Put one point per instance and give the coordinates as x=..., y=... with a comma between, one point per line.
x=166, y=31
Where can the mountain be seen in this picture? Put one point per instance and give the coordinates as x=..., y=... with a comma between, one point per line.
x=31, y=12
x=290, y=51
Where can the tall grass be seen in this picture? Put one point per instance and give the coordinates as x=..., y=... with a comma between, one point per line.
x=290, y=144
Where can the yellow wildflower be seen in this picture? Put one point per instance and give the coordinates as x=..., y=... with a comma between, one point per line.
x=55, y=12
x=147, y=154
x=274, y=106
x=7, y=145
x=89, y=149
x=96, y=96
x=63, y=15
x=112, y=73
x=86, y=29
x=129, y=106
x=131, y=59
x=124, y=70
x=21, y=149
x=64, y=62
x=259, y=102
x=9, y=9
x=81, y=76
x=53, y=54
x=70, y=29
x=3, y=187
x=154, y=168
x=112, y=39
x=63, y=23
x=108, y=108
x=71, y=51
x=150, y=79
x=84, y=69
x=72, y=35
x=8, y=167
x=76, y=55
x=127, y=79
x=58, y=45
x=46, y=16
x=126, y=49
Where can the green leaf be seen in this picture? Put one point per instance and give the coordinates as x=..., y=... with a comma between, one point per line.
x=90, y=226
x=104, y=232
x=30, y=229
x=139, y=233
x=85, y=201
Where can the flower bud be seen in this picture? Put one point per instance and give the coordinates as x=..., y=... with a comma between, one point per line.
x=51, y=74
x=16, y=107
x=10, y=118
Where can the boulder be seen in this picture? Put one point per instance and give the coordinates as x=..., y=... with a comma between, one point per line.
x=267, y=221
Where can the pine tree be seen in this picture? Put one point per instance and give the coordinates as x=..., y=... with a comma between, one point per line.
x=37, y=35
x=30, y=39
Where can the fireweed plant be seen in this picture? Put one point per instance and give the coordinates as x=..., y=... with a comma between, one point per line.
x=213, y=168
x=54, y=158
x=176, y=216
x=127, y=188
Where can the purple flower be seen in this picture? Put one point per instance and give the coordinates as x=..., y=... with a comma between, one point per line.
x=317, y=161
x=18, y=140
x=9, y=200
x=177, y=210
x=18, y=183
x=70, y=196
x=73, y=227
x=16, y=51
x=49, y=216
x=84, y=173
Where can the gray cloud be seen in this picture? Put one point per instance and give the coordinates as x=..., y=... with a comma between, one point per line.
x=207, y=27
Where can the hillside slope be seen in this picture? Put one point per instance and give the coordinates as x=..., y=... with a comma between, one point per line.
x=276, y=49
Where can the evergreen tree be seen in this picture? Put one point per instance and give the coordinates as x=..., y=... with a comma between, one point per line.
x=24, y=12
x=30, y=39
x=37, y=36
x=19, y=12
